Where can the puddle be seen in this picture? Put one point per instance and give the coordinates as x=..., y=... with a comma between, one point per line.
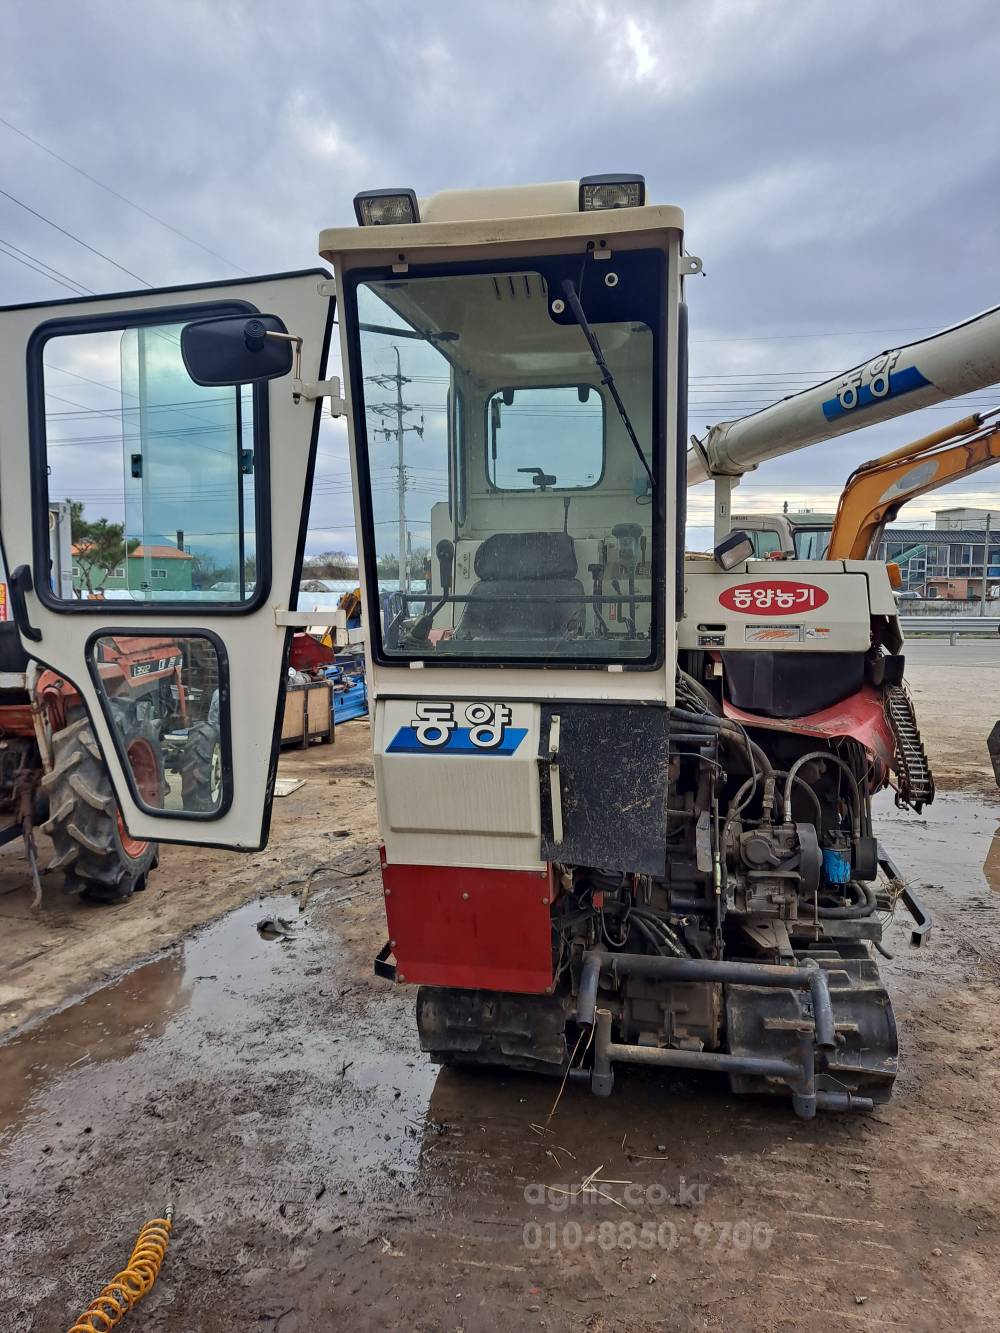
x=292, y=1074
x=954, y=844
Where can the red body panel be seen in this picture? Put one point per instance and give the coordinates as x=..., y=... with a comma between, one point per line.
x=478, y=929
x=308, y=654
x=860, y=716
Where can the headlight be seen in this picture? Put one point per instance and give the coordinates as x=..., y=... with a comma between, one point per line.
x=600, y=192
x=733, y=550
x=386, y=208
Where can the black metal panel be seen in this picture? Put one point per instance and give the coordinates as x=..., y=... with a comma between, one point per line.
x=613, y=781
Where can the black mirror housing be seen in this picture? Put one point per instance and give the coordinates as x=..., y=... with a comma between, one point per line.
x=236, y=349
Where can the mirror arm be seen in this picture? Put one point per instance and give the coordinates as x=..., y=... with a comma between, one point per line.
x=317, y=389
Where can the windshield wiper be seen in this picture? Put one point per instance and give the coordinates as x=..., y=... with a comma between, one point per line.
x=573, y=300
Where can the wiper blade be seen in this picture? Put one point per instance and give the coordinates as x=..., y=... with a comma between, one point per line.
x=573, y=300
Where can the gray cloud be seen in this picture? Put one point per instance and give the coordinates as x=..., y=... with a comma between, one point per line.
x=838, y=164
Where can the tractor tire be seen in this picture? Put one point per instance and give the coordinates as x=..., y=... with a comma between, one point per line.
x=92, y=848
x=200, y=768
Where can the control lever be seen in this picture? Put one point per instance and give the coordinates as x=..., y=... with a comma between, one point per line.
x=445, y=551
x=446, y=563
x=628, y=536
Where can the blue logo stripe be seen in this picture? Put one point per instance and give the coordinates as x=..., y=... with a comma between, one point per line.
x=406, y=741
x=900, y=381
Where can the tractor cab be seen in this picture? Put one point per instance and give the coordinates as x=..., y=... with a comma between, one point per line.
x=511, y=422
x=511, y=467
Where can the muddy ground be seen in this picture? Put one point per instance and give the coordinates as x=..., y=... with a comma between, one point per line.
x=325, y=1176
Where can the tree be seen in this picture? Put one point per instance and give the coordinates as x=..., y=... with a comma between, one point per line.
x=330, y=565
x=205, y=572
x=98, y=548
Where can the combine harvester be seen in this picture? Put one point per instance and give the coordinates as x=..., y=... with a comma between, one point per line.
x=625, y=799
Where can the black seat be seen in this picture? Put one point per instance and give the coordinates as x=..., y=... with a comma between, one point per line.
x=511, y=566
x=12, y=655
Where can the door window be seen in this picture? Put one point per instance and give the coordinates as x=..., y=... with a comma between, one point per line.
x=155, y=473
x=165, y=698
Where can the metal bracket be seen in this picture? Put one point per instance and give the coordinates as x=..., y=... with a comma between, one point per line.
x=285, y=619
x=381, y=966
x=335, y=622
x=690, y=265
x=923, y=922
x=770, y=935
x=555, y=781
x=321, y=389
x=327, y=287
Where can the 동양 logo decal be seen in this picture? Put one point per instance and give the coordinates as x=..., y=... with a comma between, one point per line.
x=435, y=729
x=774, y=597
x=871, y=384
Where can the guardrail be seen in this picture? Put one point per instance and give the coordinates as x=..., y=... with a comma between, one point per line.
x=953, y=626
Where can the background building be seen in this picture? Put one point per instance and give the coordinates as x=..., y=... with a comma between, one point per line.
x=170, y=571
x=947, y=561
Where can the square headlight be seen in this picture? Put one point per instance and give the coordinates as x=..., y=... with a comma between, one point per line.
x=734, y=550
x=386, y=208
x=600, y=192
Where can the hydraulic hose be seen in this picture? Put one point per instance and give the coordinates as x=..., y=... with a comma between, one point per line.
x=828, y=758
x=864, y=904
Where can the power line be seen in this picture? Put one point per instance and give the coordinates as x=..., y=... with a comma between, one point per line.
x=787, y=337
x=46, y=270
x=107, y=258
x=110, y=189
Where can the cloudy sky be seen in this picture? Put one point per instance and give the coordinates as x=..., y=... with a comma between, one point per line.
x=838, y=164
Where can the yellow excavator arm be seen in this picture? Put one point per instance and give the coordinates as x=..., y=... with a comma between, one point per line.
x=876, y=491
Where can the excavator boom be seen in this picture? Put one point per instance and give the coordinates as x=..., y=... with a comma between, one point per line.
x=956, y=361
x=876, y=491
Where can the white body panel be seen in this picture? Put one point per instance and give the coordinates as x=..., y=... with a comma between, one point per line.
x=254, y=642
x=784, y=618
x=471, y=809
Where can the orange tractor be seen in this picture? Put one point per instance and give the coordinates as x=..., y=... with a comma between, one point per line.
x=52, y=773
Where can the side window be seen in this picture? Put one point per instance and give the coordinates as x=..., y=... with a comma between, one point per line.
x=812, y=543
x=545, y=439
x=151, y=475
x=764, y=542
x=164, y=696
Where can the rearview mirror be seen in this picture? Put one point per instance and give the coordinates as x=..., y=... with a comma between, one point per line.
x=236, y=349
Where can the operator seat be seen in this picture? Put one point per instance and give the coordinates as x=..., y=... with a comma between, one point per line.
x=511, y=566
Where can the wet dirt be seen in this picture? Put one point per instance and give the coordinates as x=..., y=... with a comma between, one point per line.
x=325, y=1175
x=71, y=947
x=956, y=691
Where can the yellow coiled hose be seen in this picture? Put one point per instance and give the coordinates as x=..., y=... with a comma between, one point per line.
x=129, y=1286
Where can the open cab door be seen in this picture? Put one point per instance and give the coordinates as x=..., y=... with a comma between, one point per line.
x=181, y=427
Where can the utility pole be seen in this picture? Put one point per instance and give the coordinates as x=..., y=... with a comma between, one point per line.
x=386, y=411
x=986, y=567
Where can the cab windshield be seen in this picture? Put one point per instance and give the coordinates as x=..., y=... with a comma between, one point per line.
x=507, y=502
